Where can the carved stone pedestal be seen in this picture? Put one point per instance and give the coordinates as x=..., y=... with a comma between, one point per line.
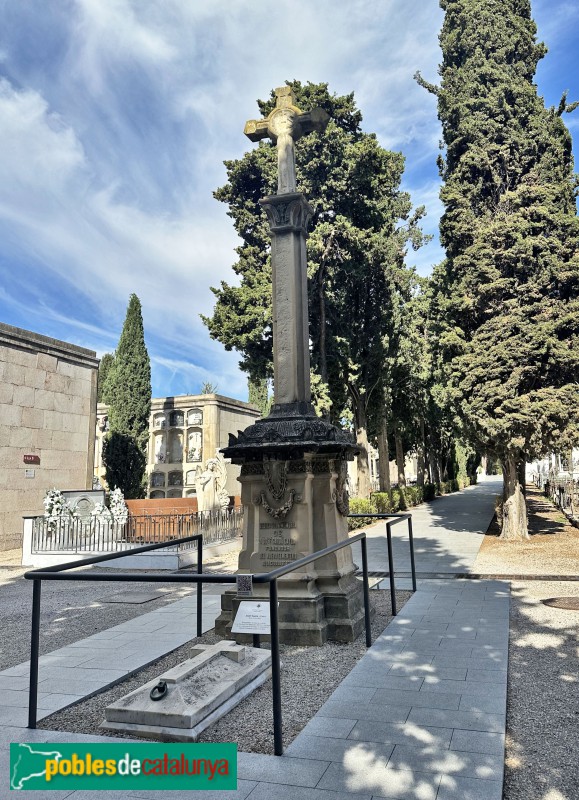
x=293, y=507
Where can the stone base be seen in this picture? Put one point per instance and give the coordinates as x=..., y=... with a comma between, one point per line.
x=335, y=615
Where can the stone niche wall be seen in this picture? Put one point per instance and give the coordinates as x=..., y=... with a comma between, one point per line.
x=47, y=411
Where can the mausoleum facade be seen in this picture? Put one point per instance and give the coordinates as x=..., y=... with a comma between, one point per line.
x=185, y=432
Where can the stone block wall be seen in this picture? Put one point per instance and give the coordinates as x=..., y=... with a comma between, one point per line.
x=48, y=410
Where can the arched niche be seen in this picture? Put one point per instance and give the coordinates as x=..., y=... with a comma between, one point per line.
x=176, y=419
x=194, y=445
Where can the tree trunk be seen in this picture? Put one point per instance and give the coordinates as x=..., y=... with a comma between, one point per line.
x=420, y=456
x=514, y=506
x=399, y=456
x=364, y=486
x=434, y=468
x=384, y=458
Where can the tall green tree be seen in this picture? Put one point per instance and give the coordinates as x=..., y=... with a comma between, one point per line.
x=258, y=391
x=361, y=224
x=105, y=365
x=507, y=293
x=128, y=388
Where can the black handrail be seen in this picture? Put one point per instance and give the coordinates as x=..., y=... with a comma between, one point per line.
x=396, y=518
x=62, y=572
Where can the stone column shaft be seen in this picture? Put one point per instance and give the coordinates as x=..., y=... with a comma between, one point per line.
x=288, y=217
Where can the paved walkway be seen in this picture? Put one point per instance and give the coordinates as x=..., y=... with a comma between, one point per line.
x=448, y=534
x=422, y=715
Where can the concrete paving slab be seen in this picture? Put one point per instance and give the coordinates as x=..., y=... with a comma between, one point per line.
x=363, y=773
x=269, y=791
x=399, y=733
x=490, y=663
x=419, y=699
x=330, y=749
x=447, y=762
x=285, y=771
x=488, y=704
x=478, y=742
x=435, y=684
x=448, y=673
x=464, y=788
x=333, y=727
x=465, y=720
x=390, y=712
x=353, y=693
x=244, y=789
x=373, y=679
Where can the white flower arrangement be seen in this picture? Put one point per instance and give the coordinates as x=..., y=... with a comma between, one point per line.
x=56, y=508
x=101, y=512
x=118, y=507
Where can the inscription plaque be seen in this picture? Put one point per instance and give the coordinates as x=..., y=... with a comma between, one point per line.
x=277, y=544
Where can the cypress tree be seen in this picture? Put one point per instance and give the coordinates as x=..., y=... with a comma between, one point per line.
x=105, y=365
x=128, y=390
x=258, y=395
x=507, y=293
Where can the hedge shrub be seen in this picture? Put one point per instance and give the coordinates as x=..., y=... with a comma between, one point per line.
x=399, y=500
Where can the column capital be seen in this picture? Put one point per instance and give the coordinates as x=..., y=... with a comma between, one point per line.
x=287, y=212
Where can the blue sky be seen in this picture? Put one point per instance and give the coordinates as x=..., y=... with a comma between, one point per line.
x=115, y=119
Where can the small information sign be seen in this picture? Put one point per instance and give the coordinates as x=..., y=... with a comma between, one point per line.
x=29, y=473
x=252, y=617
x=244, y=585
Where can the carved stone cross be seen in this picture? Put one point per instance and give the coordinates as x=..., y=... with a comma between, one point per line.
x=284, y=126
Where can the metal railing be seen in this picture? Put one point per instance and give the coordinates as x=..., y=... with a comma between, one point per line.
x=61, y=572
x=76, y=535
x=394, y=520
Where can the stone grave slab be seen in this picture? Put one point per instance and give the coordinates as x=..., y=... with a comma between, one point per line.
x=192, y=695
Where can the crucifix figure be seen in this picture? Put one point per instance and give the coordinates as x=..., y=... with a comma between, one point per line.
x=284, y=126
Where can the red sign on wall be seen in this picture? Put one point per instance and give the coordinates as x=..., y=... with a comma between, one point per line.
x=31, y=459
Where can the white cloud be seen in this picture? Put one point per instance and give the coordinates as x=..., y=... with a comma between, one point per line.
x=37, y=146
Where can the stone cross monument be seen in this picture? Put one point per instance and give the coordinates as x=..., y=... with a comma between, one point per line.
x=288, y=214
x=293, y=474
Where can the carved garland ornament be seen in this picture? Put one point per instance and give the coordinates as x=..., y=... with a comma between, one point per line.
x=271, y=478
x=282, y=511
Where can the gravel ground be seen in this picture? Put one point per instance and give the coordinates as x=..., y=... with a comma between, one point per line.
x=72, y=611
x=317, y=671
x=553, y=548
x=543, y=695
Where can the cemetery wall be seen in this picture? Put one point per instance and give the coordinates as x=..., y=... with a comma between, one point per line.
x=47, y=421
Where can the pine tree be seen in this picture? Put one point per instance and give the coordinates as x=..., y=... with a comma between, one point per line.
x=507, y=293
x=129, y=397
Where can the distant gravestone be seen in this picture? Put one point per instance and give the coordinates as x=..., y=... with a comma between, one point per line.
x=82, y=503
